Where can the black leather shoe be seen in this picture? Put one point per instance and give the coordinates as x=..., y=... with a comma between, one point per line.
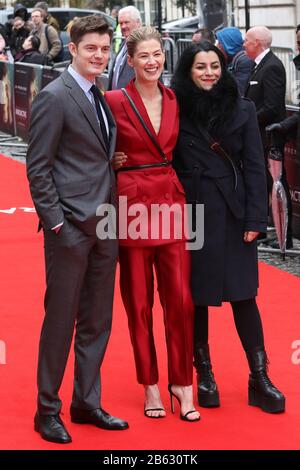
x=51, y=428
x=99, y=418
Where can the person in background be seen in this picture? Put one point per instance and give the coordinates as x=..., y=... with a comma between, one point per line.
x=5, y=54
x=289, y=127
x=6, y=97
x=120, y=72
x=50, y=42
x=3, y=32
x=118, y=33
x=70, y=24
x=30, y=53
x=296, y=59
x=47, y=17
x=147, y=177
x=266, y=88
x=219, y=161
x=19, y=33
x=20, y=11
x=230, y=42
x=204, y=33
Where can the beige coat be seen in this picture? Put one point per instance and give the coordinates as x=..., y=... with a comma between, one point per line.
x=53, y=40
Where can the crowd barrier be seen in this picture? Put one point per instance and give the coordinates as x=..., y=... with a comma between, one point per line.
x=292, y=166
x=20, y=83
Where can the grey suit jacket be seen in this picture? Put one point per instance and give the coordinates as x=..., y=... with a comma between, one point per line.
x=68, y=167
x=125, y=75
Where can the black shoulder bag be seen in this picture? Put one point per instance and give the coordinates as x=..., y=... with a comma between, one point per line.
x=216, y=147
x=165, y=162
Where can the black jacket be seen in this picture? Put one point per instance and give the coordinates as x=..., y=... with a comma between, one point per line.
x=17, y=38
x=266, y=88
x=31, y=57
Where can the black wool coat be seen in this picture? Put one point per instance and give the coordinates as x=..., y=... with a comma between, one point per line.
x=225, y=269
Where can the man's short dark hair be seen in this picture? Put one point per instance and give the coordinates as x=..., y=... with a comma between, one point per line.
x=35, y=42
x=298, y=28
x=89, y=24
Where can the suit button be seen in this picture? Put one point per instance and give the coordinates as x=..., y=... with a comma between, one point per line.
x=165, y=172
x=144, y=198
x=167, y=196
x=146, y=173
x=191, y=143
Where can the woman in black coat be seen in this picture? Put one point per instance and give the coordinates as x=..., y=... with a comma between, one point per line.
x=231, y=184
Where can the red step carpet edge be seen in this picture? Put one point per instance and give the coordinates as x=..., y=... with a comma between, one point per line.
x=234, y=425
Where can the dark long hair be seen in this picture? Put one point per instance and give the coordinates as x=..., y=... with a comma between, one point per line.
x=211, y=108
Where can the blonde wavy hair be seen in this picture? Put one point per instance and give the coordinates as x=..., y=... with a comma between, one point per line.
x=145, y=33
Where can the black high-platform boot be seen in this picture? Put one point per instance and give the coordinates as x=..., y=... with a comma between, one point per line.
x=208, y=394
x=261, y=391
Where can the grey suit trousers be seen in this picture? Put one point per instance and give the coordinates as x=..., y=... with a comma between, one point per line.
x=80, y=276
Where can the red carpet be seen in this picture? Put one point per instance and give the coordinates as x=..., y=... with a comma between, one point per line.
x=234, y=425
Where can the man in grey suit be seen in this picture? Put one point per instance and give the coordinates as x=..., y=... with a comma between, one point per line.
x=121, y=72
x=71, y=142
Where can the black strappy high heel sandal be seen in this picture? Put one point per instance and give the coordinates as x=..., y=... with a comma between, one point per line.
x=185, y=416
x=146, y=410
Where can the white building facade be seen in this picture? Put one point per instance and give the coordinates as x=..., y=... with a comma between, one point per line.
x=280, y=16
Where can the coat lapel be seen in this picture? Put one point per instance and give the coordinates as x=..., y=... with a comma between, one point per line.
x=86, y=107
x=238, y=119
x=169, y=114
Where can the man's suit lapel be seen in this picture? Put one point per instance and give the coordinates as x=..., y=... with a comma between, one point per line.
x=84, y=104
x=262, y=62
x=257, y=68
x=169, y=110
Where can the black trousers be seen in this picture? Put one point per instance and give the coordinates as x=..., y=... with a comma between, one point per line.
x=247, y=321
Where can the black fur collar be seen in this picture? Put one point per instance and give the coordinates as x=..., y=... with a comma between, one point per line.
x=211, y=108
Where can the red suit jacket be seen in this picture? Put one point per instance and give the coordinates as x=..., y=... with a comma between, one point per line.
x=152, y=185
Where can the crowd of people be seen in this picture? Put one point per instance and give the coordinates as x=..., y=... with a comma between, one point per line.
x=39, y=25
x=202, y=141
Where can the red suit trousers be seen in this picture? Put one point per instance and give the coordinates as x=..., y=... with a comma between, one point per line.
x=172, y=266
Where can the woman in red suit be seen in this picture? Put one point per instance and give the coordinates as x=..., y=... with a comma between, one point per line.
x=146, y=177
